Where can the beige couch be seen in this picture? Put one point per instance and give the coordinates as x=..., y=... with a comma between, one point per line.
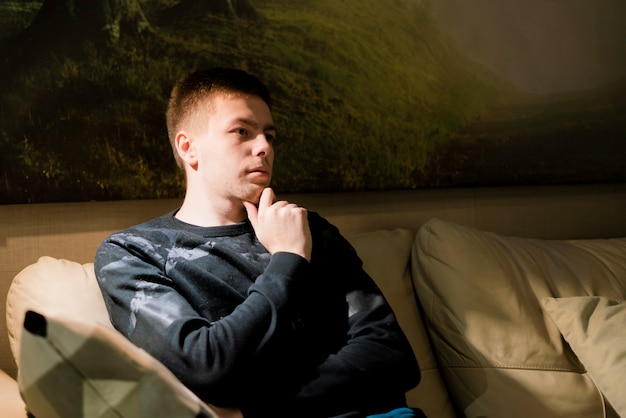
x=496, y=326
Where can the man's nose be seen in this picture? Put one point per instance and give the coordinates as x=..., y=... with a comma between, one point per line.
x=261, y=145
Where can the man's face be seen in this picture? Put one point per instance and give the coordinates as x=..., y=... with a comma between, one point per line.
x=235, y=152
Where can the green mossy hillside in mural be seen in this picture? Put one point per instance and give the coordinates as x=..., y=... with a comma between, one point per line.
x=365, y=92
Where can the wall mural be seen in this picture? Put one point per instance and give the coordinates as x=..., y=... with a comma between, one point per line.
x=368, y=94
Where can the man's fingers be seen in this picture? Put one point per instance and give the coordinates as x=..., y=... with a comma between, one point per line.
x=267, y=198
x=280, y=226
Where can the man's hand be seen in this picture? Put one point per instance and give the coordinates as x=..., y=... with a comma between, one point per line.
x=280, y=226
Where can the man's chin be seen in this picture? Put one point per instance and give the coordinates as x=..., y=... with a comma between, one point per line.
x=255, y=195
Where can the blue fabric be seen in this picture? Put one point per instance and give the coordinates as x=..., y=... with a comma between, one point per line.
x=396, y=413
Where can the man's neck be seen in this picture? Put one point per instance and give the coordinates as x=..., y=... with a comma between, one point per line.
x=205, y=212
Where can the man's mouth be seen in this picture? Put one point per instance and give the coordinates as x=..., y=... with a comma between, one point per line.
x=260, y=171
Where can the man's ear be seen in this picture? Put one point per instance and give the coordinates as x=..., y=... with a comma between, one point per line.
x=186, y=148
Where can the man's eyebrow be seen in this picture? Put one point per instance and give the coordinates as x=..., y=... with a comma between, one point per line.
x=255, y=124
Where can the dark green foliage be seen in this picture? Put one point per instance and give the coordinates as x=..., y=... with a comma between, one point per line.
x=365, y=93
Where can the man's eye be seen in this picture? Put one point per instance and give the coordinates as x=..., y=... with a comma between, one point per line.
x=241, y=131
x=270, y=137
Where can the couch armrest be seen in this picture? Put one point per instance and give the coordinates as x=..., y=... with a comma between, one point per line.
x=11, y=403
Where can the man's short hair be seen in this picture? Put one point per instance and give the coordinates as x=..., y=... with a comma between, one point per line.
x=198, y=88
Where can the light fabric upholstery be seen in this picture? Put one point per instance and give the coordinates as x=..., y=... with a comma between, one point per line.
x=386, y=258
x=11, y=404
x=595, y=328
x=54, y=287
x=481, y=297
x=82, y=369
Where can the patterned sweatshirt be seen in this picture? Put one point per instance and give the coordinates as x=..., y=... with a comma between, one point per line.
x=272, y=335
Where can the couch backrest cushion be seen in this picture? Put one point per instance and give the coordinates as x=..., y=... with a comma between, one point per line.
x=386, y=258
x=481, y=293
x=54, y=287
x=595, y=329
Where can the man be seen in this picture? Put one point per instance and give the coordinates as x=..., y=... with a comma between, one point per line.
x=258, y=306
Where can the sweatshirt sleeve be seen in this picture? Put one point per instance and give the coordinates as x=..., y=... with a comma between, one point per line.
x=376, y=365
x=208, y=355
